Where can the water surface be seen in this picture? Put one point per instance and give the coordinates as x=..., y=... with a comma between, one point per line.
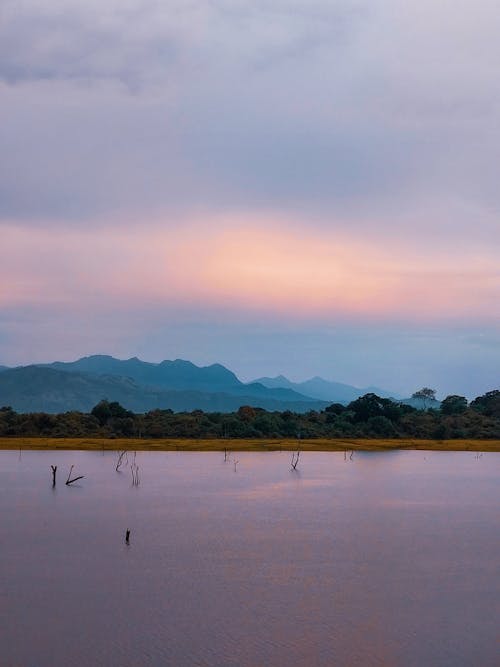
x=386, y=559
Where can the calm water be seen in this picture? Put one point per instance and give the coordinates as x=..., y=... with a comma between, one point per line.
x=390, y=559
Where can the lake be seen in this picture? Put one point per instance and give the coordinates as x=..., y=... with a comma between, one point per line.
x=387, y=559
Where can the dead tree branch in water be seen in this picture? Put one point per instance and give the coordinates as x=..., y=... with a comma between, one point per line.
x=120, y=460
x=75, y=479
x=295, y=459
x=54, y=471
x=134, y=468
x=135, y=474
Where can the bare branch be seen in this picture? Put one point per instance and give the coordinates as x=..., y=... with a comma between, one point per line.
x=75, y=479
x=295, y=459
x=120, y=460
x=134, y=468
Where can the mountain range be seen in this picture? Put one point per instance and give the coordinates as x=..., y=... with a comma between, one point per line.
x=141, y=386
x=324, y=390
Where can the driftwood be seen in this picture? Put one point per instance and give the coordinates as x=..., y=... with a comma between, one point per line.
x=295, y=459
x=54, y=471
x=75, y=479
x=127, y=536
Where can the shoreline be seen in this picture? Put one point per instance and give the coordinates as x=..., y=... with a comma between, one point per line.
x=247, y=445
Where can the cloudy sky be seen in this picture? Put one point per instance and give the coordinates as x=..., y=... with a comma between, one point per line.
x=307, y=187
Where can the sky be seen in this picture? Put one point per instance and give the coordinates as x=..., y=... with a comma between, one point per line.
x=306, y=187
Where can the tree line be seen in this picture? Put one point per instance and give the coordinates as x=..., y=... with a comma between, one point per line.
x=369, y=416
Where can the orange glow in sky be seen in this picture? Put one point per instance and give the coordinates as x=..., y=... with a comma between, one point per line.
x=256, y=264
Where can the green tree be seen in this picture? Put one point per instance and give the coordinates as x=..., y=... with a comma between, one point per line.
x=101, y=412
x=453, y=405
x=104, y=411
x=488, y=404
x=371, y=405
x=380, y=426
x=425, y=395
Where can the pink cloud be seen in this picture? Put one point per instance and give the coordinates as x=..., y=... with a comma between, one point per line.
x=241, y=262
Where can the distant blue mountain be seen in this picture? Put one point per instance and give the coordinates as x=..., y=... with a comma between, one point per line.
x=46, y=389
x=178, y=375
x=316, y=387
x=140, y=386
x=179, y=385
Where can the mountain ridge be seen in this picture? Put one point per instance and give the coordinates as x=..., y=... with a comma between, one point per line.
x=178, y=384
x=321, y=389
x=42, y=389
x=178, y=375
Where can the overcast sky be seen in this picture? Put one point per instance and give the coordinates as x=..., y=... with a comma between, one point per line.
x=298, y=187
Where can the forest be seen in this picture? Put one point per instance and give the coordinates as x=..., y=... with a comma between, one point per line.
x=369, y=416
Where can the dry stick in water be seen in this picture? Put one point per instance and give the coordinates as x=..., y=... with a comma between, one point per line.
x=295, y=459
x=135, y=475
x=134, y=468
x=54, y=471
x=127, y=536
x=120, y=460
x=75, y=479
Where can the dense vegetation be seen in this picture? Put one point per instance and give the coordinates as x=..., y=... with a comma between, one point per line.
x=367, y=417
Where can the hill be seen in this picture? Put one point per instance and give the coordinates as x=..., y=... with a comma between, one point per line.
x=48, y=389
x=317, y=387
x=178, y=375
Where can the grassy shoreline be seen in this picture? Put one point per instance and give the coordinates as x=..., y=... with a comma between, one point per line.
x=243, y=445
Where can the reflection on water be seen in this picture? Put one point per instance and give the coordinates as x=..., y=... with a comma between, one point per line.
x=386, y=559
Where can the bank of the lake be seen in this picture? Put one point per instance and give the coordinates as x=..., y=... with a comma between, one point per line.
x=247, y=445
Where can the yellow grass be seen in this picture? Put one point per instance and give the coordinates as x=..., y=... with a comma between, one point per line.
x=242, y=445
